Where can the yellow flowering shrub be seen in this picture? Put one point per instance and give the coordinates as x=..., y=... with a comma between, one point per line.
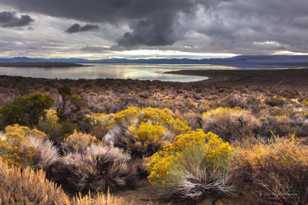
x=101, y=118
x=189, y=152
x=127, y=114
x=148, y=132
x=52, y=117
x=13, y=146
x=19, y=132
x=166, y=118
x=146, y=124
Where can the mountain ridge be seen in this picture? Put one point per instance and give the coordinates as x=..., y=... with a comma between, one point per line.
x=243, y=60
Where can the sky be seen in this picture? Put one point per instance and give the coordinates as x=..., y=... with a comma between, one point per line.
x=96, y=29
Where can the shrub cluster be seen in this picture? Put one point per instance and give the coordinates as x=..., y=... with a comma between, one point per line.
x=186, y=166
x=149, y=127
x=87, y=164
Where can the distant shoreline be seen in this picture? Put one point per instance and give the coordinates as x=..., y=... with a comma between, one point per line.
x=292, y=78
x=41, y=64
x=265, y=79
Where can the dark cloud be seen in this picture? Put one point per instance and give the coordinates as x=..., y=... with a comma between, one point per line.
x=11, y=19
x=240, y=26
x=151, y=32
x=152, y=22
x=76, y=28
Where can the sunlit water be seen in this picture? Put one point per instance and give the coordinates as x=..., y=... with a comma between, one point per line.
x=108, y=71
x=114, y=71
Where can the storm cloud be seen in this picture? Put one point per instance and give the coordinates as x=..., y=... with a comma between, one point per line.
x=11, y=19
x=76, y=28
x=151, y=22
x=214, y=26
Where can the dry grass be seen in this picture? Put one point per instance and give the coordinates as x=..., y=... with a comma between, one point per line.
x=100, y=199
x=26, y=187
x=272, y=173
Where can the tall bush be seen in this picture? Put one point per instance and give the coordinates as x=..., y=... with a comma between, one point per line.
x=25, y=110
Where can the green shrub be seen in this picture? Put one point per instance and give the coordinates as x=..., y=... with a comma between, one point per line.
x=25, y=110
x=56, y=129
x=49, y=123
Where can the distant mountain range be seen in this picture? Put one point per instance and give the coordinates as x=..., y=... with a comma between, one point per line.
x=241, y=61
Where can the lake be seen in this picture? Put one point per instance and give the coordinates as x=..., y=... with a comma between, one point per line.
x=111, y=71
x=115, y=71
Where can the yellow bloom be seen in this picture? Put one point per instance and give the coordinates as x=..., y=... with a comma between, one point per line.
x=197, y=148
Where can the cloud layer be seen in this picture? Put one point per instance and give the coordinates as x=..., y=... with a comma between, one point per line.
x=11, y=19
x=212, y=26
x=151, y=22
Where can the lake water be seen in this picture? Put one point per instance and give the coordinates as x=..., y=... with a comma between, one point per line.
x=115, y=71
x=111, y=71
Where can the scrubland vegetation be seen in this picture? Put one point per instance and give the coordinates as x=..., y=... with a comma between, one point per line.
x=180, y=145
